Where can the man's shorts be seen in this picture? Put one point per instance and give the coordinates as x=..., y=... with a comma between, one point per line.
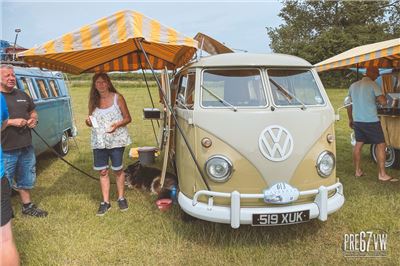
x=20, y=167
x=101, y=158
x=369, y=133
x=5, y=195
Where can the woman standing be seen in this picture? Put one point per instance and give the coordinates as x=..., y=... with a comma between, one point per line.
x=108, y=117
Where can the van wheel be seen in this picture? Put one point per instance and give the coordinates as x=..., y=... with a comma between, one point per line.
x=392, y=156
x=62, y=147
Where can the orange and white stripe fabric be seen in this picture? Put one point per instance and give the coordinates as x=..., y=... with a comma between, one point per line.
x=111, y=44
x=382, y=54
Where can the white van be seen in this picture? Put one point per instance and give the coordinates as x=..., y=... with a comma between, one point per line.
x=261, y=129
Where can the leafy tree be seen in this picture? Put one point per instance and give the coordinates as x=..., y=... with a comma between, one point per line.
x=317, y=30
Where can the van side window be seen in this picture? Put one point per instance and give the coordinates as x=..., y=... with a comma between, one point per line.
x=396, y=87
x=180, y=98
x=44, y=91
x=186, y=91
x=189, y=99
x=54, y=88
x=28, y=87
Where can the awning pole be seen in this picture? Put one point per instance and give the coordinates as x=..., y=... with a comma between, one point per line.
x=147, y=84
x=151, y=99
x=174, y=117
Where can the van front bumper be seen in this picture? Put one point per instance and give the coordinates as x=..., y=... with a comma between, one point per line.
x=237, y=215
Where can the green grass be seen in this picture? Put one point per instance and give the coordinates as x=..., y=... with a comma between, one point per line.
x=73, y=235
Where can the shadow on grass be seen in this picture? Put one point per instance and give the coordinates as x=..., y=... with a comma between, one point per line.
x=43, y=161
x=71, y=182
x=215, y=234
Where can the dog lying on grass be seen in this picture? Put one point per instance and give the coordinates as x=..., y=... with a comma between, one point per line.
x=148, y=178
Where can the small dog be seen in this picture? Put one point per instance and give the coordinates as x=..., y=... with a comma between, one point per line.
x=148, y=178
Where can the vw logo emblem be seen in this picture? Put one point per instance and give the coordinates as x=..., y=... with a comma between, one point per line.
x=275, y=143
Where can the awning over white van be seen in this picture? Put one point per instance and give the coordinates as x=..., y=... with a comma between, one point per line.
x=112, y=44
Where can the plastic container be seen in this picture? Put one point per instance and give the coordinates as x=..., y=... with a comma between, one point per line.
x=147, y=155
x=164, y=204
x=173, y=194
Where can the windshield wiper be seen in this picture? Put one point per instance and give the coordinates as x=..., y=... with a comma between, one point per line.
x=220, y=99
x=288, y=95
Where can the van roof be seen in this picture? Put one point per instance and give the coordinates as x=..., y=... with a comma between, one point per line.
x=34, y=71
x=249, y=59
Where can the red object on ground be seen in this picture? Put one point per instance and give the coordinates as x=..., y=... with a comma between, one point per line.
x=164, y=204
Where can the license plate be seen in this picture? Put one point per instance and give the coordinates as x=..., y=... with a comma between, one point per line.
x=264, y=219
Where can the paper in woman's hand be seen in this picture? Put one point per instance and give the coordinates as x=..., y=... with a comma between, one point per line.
x=93, y=120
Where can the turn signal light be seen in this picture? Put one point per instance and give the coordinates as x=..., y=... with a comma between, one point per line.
x=330, y=138
x=206, y=142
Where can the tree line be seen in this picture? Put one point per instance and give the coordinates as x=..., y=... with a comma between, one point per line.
x=317, y=30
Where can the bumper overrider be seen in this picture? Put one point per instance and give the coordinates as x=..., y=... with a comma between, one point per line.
x=236, y=215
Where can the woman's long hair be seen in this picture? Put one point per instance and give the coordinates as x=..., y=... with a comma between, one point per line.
x=94, y=96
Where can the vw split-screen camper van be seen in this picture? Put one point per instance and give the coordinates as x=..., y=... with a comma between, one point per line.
x=262, y=129
x=252, y=135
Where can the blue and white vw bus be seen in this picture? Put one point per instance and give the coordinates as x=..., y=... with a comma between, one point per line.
x=53, y=105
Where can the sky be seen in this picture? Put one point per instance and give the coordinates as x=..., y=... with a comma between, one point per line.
x=240, y=25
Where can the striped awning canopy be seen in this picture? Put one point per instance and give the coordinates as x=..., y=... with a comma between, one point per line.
x=112, y=44
x=381, y=54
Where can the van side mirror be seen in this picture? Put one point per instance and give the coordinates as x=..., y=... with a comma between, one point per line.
x=346, y=103
x=180, y=99
x=182, y=102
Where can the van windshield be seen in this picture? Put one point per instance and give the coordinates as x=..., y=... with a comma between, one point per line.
x=238, y=87
x=294, y=88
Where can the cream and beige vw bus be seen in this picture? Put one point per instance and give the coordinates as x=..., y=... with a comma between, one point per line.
x=261, y=132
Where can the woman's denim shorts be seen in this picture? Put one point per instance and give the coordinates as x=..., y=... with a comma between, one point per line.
x=102, y=156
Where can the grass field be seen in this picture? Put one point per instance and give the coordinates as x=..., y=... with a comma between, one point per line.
x=73, y=235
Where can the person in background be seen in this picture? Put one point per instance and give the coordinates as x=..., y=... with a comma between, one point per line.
x=363, y=118
x=108, y=117
x=8, y=251
x=16, y=141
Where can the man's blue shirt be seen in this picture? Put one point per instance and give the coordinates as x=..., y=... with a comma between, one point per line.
x=4, y=116
x=363, y=94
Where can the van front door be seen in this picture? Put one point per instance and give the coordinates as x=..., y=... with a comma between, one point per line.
x=184, y=110
x=166, y=135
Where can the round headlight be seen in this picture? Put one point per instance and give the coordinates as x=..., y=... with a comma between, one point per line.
x=325, y=163
x=218, y=168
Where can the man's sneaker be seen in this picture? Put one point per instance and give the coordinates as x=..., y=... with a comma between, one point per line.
x=104, y=207
x=33, y=210
x=123, y=204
